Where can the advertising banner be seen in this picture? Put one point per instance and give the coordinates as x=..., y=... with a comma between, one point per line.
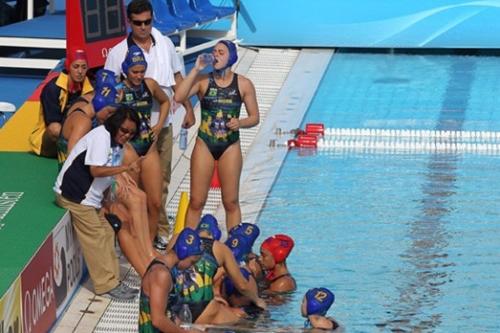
x=10, y=310
x=37, y=290
x=68, y=262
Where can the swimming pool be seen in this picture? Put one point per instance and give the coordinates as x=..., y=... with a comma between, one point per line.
x=407, y=241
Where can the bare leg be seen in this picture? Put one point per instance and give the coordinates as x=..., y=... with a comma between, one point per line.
x=130, y=156
x=217, y=313
x=75, y=127
x=135, y=201
x=202, y=168
x=128, y=243
x=52, y=131
x=229, y=166
x=151, y=182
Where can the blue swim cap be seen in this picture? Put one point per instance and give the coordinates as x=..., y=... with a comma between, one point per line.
x=233, y=53
x=105, y=95
x=319, y=300
x=105, y=77
x=249, y=231
x=229, y=285
x=239, y=247
x=188, y=244
x=209, y=223
x=134, y=57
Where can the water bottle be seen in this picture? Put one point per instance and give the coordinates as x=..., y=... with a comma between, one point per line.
x=208, y=58
x=183, y=138
x=3, y=119
x=185, y=316
x=120, y=85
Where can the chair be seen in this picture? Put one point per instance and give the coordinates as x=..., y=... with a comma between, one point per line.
x=164, y=21
x=181, y=9
x=204, y=6
x=6, y=111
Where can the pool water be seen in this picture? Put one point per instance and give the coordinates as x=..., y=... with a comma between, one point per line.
x=407, y=242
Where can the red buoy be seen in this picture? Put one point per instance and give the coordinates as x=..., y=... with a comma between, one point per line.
x=307, y=141
x=315, y=129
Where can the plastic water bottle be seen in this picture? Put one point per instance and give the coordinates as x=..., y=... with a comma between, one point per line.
x=183, y=138
x=3, y=119
x=208, y=58
x=185, y=316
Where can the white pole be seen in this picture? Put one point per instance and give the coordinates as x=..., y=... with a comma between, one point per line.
x=29, y=13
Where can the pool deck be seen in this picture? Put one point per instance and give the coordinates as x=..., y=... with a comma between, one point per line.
x=285, y=81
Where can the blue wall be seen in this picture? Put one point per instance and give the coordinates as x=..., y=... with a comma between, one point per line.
x=370, y=23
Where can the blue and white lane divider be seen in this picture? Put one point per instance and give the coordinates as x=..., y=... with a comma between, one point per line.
x=422, y=134
x=411, y=140
x=484, y=142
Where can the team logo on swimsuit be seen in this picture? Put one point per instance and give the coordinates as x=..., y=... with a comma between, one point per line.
x=212, y=92
x=129, y=97
x=218, y=126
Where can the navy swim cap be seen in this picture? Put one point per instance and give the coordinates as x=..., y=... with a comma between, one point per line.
x=105, y=77
x=209, y=224
x=319, y=300
x=229, y=285
x=239, y=246
x=105, y=95
x=233, y=53
x=249, y=231
x=134, y=57
x=188, y=244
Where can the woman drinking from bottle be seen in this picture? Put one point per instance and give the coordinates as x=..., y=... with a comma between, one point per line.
x=222, y=93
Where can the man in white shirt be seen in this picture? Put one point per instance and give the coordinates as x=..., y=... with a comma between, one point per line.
x=165, y=67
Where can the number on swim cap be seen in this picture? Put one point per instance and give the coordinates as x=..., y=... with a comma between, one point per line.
x=105, y=91
x=320, y=296
x=190, y=239
x=235, y=242
x=249, y=230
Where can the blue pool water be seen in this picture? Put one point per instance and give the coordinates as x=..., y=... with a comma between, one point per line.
x=408, y=242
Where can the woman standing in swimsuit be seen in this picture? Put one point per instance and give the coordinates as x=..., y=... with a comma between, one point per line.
x=221, y=94
x=140, y=93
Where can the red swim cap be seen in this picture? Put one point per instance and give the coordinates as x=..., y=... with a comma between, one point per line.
x=279, y=245
x=74, y=55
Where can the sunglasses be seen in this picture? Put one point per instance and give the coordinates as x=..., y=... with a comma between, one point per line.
x=140, y=23
x=125, y=131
